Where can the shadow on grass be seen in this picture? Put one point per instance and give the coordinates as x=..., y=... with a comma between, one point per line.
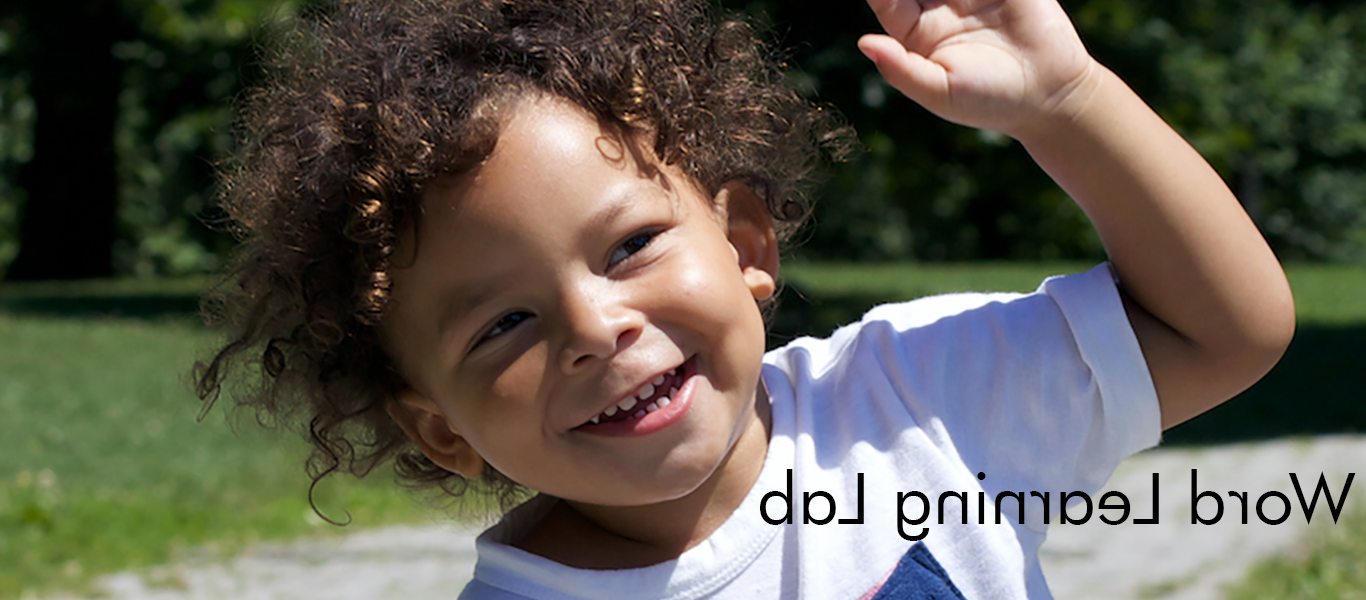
x=151, y=299
x=134, y=306
x=1319, y=387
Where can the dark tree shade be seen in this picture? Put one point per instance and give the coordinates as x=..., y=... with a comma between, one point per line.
x=67, y=227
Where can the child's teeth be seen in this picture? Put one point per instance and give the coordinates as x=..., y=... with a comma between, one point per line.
x=663, y=402
x=651, y=407
x=611, y=410
x=658, y=380
x=626, y=403
x=594, y=420
x=646, y=392
x=639, y=414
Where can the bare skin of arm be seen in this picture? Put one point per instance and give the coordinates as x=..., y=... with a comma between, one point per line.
x=1207, y=299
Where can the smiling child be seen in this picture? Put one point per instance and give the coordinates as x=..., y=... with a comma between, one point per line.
x=525, y=244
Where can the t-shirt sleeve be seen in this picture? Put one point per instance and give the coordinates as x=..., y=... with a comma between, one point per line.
x=1042, y=391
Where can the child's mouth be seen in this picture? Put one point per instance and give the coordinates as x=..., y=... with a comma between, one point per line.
x=654, y=395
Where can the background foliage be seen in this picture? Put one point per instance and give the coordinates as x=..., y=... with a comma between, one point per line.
x=181, y=64
x=1266, y=89
x=101, y=467
x=16, y=144
x=182, y=73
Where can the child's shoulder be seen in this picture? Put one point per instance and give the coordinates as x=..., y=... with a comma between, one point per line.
x=929, y=309
x=1089, y=291
x=1065, y=307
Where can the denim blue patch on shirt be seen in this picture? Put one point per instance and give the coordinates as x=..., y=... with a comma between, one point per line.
x=918, y=577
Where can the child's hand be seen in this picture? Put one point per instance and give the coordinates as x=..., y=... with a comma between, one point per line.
x=1207, y=299
x=1007, y=65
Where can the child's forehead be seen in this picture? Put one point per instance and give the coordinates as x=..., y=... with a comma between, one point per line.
x=539, y=133
x=543, y=123
x=552, y=149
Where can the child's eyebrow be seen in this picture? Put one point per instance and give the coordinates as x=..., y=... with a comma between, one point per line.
x=631, y=196
x=621, y=200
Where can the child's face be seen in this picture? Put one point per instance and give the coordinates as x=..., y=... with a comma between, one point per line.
x=554, y=284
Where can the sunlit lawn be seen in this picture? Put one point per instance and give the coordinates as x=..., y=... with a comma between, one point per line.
x=104, y=467
x=1330, y=565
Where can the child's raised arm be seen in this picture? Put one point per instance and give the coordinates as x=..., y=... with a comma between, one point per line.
x=1207, y=299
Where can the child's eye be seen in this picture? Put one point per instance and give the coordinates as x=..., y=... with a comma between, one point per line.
x=504, y=325
x=634, y=244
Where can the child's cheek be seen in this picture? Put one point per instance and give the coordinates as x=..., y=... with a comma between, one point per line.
x=697, y=285
x=513, y=390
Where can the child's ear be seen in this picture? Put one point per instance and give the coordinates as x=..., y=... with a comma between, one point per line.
x=426, y=426
x=749, y=228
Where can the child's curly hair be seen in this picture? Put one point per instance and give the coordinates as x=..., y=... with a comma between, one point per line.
x=369, y=99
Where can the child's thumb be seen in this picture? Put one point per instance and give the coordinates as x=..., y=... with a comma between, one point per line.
x=910, y=73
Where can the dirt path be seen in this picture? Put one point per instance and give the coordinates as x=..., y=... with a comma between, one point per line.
x=411, y=563
x=1172, y=559
x=1177, y=560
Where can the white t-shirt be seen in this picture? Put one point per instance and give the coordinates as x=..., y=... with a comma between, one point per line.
x=1042, y=392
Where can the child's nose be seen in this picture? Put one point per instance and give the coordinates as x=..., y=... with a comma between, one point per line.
x=598, y=325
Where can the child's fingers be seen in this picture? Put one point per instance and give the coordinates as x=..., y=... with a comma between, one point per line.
x=912, y=74
x=898, y=17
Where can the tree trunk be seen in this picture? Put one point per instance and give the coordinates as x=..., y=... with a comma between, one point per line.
x=67, y=226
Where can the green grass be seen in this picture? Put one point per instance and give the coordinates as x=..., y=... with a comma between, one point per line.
x=1329, y=294
x=1331, y=565
x=896, y=281
x=103, y=465
x=1325, y=294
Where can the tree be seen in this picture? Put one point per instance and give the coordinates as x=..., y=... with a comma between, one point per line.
x=16, y=138
x=1265, y=89
x=1271, y=94
x=132, y=102
x=924, y=188
x=67, y=228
